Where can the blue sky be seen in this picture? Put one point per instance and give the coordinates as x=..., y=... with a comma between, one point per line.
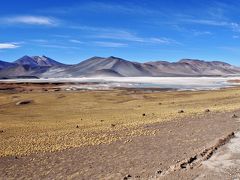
x=139, y=30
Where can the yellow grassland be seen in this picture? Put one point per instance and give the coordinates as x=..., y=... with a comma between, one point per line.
x=50, y=122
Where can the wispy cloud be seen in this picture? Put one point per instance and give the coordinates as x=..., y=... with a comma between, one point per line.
x=232, y=25
x=206, y=22
x=122, y=35
x=110, y=44
x=101, y=7
x=162, y=40
x=93, y=28
x=201, y=33
x=118, y=8
x=235, y=49
x=127, y=36
x=9, y=45
x=75, y=41
x=217, y=14
x=30, y=20
x=51, y=43
x=217, y=10
x=235, y=27
x=40, y=40
x=58, y=46
x=61, y=36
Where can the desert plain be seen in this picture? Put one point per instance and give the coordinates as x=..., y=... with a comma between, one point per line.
x=47, y=132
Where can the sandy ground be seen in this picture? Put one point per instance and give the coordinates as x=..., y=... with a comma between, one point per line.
x=117, y=134
x=144, y=157
x=225, y=164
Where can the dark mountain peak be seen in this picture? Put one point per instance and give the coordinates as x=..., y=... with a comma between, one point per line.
x=191, y=61
x=43, y=66
x=96, y=58
x=220, y=63
x=25, y=56
x=43, y=57
x=38, y=57
x=158, y=62
x=115, y=58
x=3, y=61
x=37, y=61
x=26, y=60
x=198, y=62
x=4, y=65
x=119, y=60
x=110, y=59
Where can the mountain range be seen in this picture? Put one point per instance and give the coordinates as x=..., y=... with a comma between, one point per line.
x=45, y=67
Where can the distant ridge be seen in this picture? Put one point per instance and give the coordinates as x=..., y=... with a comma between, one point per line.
x=4, y=64
x=45, y=67
x=37, y=61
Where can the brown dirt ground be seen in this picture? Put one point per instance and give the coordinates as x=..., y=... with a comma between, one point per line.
x=113, y=139
x=141, y=158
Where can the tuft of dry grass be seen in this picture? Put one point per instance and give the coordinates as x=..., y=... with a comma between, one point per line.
x=49, y=124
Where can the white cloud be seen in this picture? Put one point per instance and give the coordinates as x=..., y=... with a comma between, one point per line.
x=61, y=36
x=201, y=33
x=58, y=46
x=110, y=44
x=127, y=8
x=127, y=36
x=92, y=28
x=100, y=7
x=235, y=27
x=206, y=22
x=75, y=41
x=232, y=25
x=161, y=41
x=9, y=45
x=122, y=35
x=234, y=49
x=40, y=40
x=31, y=20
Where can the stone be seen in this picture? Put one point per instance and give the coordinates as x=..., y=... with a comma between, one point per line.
x=24, y=102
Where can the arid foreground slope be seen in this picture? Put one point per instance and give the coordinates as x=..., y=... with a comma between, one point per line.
x=113, y=134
